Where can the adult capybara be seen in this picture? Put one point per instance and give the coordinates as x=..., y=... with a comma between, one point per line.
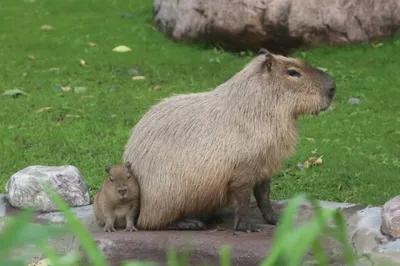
x=117, y=204
x=195, y=153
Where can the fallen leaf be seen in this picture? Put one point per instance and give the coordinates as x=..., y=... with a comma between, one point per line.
x=339, y=187
x=31, y=57
x=70, y=116
x=138, y=78
x=310, y=139
x=82, y=63
x=43, y=109
x=14, y=93
x=46, y=27
x=323, y=69
x=377, y=45
x=79, y=90
x=92, y=44
x=53, y=69
x=86, y=96
x=157, y=87
x=314, y=151
x=353, y=100
x=122, y=49
x=66, y=88
x=312, y=161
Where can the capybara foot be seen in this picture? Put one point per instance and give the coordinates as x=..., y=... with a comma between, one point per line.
x=187, y=224
x=109, y=228
x=131, y=228
x=246, y=227
x=272, y=218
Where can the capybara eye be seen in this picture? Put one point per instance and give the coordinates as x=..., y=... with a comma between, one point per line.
x=293, y=73
x=111, y=179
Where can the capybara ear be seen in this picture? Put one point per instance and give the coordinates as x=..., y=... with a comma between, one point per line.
x=269, y=59
x=107, y=169
x=263, y=51
x=127, y=165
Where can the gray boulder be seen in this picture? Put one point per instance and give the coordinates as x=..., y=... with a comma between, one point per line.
x=391, y=218
x=26, y=187
x=278, y=25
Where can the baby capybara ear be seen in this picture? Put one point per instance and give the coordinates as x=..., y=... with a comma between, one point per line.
x=107, y=169
x=127, y=165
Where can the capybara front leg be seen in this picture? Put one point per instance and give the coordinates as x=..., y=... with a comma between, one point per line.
x=187, y=224
x=109, y=224
x=130, y=226
x=261, y=193
x=241, y=213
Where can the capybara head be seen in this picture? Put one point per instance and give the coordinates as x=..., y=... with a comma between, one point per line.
x=298, y=86
x=122, y=181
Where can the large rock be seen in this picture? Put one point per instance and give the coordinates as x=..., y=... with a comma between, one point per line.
x=26, y=187
x=278, y=25
x=391, y=218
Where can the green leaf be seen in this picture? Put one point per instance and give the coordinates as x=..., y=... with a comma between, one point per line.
x=225, y=256
x=283, y=230
x=14, y=93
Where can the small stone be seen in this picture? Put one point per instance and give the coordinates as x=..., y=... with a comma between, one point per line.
x=127, y=15
x=26, y=187
x=391, y=218
x=300, y=166
x=354, y=101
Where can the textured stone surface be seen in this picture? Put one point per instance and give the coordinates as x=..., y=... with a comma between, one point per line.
x=391, y=218
x=247, y=249
x=366, y=237
x=26, y=187
x=278, y=25
x=84, y=214
x=363, y=225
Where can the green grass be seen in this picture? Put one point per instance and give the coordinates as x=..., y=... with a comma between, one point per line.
x=360, y=144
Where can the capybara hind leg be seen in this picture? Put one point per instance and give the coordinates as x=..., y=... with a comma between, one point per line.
x=261, y=193
x=187, y=224
x=241, y=223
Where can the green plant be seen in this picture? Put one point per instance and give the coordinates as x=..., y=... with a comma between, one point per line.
x=288, y=247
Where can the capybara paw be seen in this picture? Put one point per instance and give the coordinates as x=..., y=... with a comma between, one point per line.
x=131, y=229
x=109, y=228
x=272, y=219
x=247, y=228
x=188, y=224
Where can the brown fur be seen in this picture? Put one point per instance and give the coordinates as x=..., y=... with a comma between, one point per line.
x=113, y=207
x=197, y=152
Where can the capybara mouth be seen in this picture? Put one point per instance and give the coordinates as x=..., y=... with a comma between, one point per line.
x=323, y=109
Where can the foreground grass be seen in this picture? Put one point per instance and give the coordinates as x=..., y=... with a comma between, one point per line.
x=289, y=243
x=360, y=144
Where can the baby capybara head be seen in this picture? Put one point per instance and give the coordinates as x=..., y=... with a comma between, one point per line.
x=122, y=181
x=298, y=86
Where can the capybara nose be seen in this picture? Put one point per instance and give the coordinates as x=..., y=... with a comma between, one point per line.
x=122, y=191
x=329, y=86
